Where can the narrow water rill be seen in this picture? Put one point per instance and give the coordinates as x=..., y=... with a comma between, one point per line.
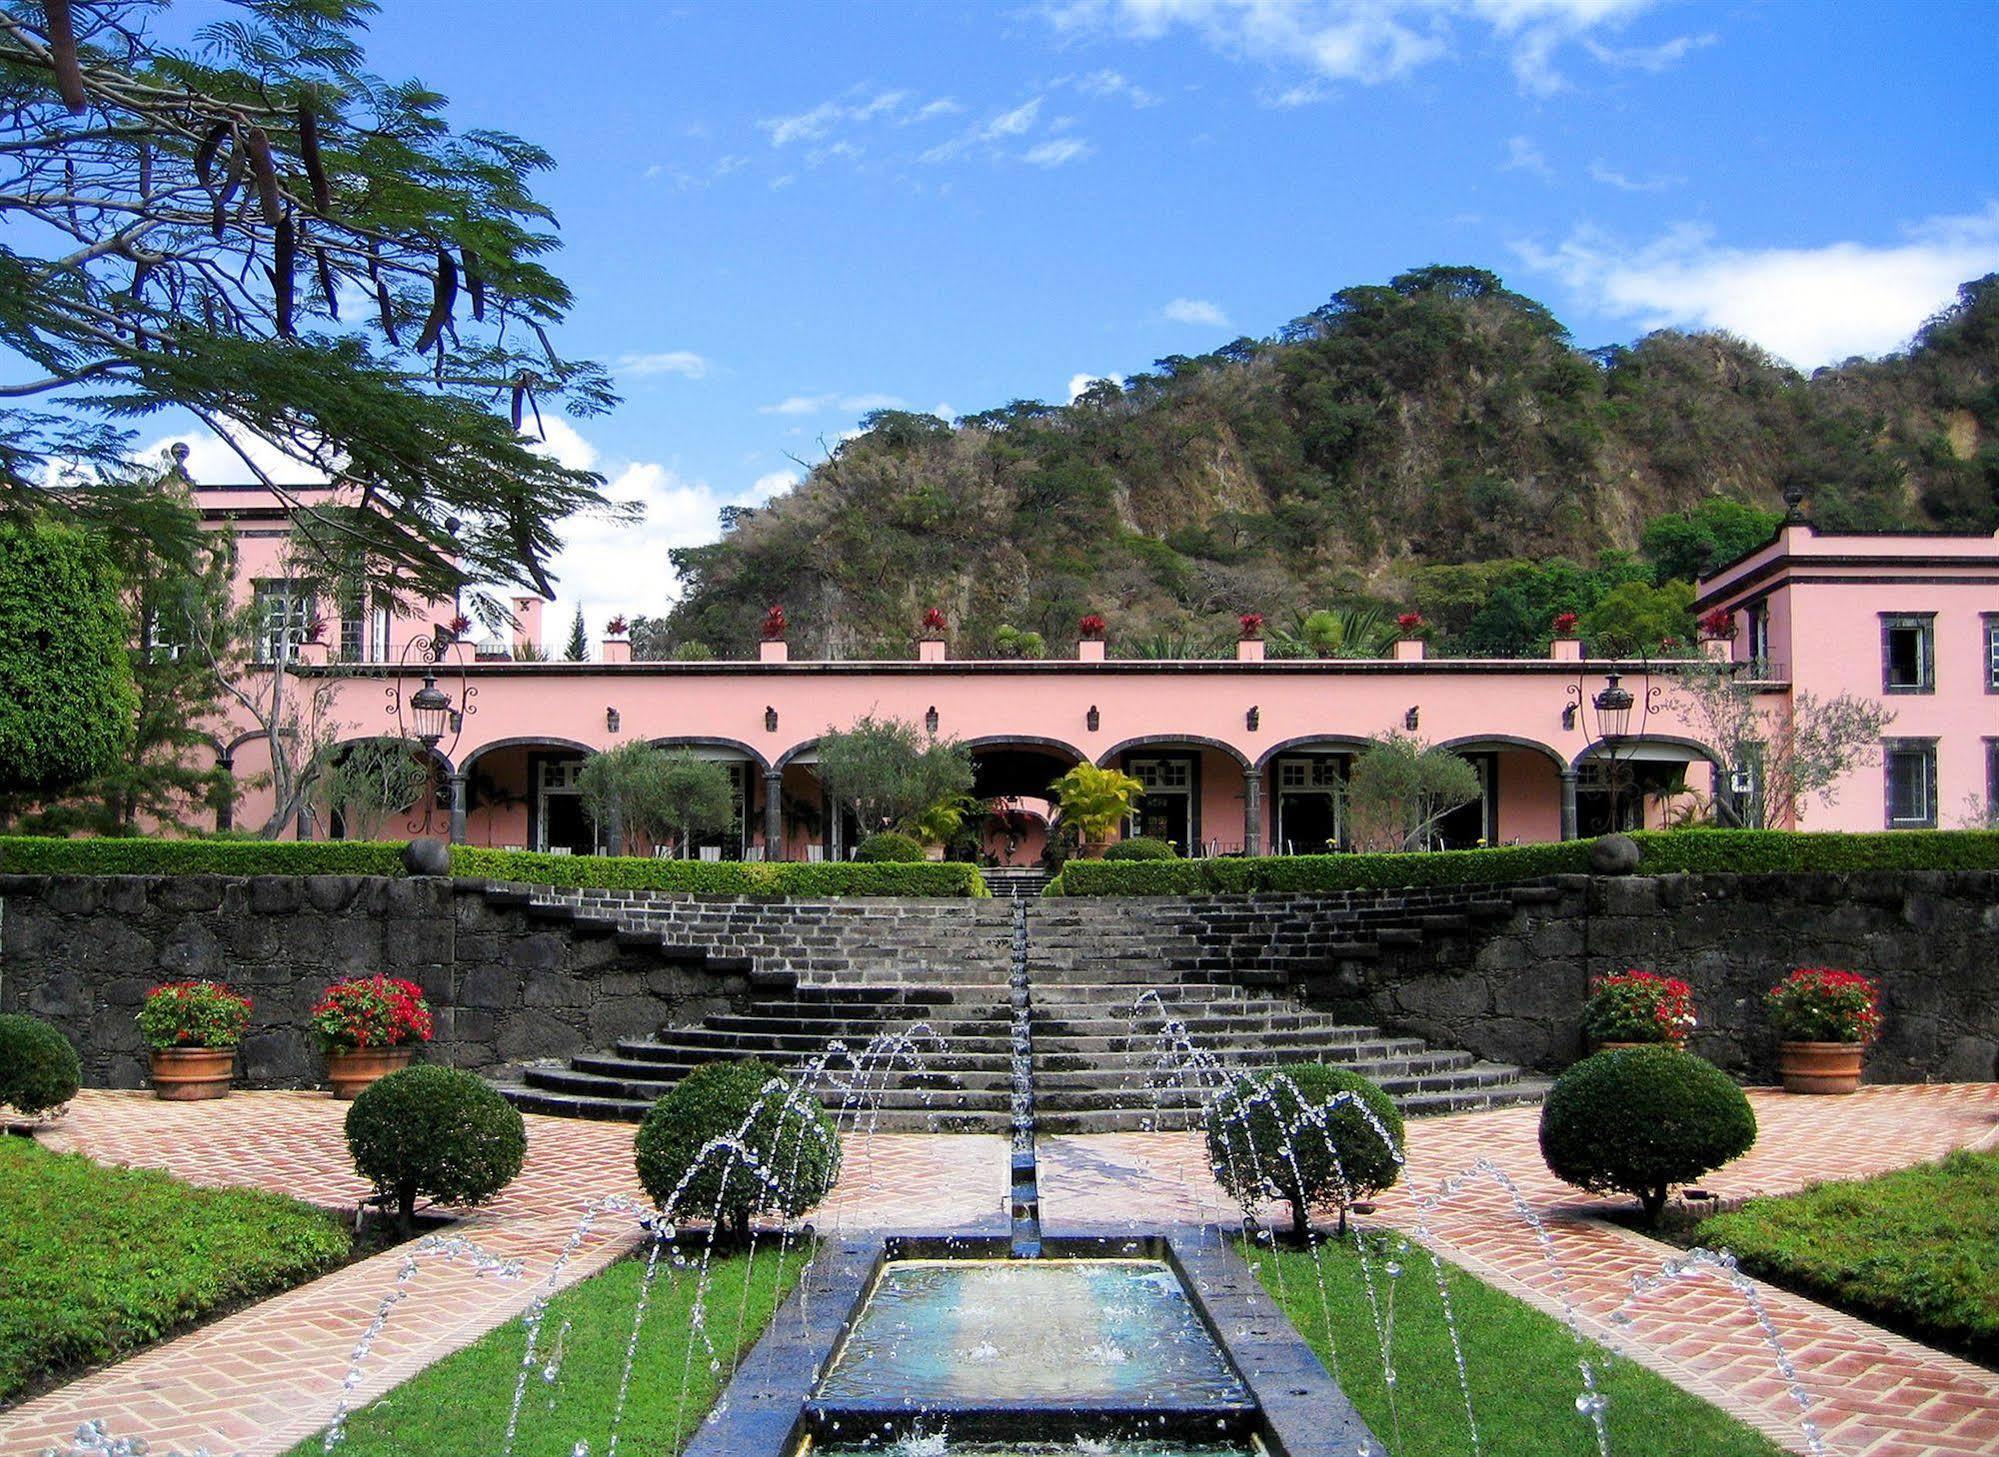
x=1025, y=1183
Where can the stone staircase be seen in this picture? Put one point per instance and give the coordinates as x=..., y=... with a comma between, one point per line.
x=1108, y=1059
x=950, y=1077
x=1016, y=882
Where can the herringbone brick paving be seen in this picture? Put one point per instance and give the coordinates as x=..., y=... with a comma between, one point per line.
x=263, y=1379
x=1874, y=1393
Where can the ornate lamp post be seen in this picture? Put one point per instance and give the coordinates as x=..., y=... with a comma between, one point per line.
x=431, y=715
x=1613, y=705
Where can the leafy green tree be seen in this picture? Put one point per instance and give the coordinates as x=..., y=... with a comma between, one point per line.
x=577, y=649
x=1346, y=632
x=192, y=227
x=1636, y=617
x=620, y=789
x=369, y=782
x=68, y=707
x=890, y=773
x=1400, y=789
x=1690, y=544
x=1096, y=801
x=694, y=798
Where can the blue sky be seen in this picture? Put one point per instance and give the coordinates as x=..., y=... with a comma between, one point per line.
x=779, y=216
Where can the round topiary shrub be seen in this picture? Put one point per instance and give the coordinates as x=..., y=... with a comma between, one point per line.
x=1267, y=1138
x=1142, y=847
x=437, y=1132
x=1637, y=1120
x=789, y=1151
x=39, y=1070
x=889, y=846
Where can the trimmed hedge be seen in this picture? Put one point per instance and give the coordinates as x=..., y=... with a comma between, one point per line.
x=1749, y=852
x=1142, y=847
x=1235, y=874
x=931, y=878
x=889, y=848
x=35, y=855
x=1662, y=852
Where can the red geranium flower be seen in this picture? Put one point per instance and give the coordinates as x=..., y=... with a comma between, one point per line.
x=374, y=1011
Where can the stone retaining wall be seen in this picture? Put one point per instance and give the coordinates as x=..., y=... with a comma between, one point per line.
x=506, y=986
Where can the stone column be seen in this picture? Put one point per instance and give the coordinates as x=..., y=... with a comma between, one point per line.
x=1568, y=804
x=773, y=814
x=458, y=797
x=1252, y=812
x=225, y=803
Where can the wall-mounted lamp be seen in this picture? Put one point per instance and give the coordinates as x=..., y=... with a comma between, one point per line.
x=930, y=719
x=1569, y=716
x=1092, y=718
x=611, y=720
x=1253, y=720
x=1410, y=719
x=770, y=720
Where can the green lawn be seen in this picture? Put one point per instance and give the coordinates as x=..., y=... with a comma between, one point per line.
x=1917, y=1249
x=1521, y=1366
x=458, y=1407
x=96, y=1262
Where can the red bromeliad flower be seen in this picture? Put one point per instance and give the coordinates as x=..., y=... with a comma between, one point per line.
x=1091, y=627
x=774, y=623
x=1824, y=1004
x=374, y=1011
x=1639, y=1006
x=617, y=626
x=1718, y=624
x=933, y=620
x=1410, y=622
x=1252, y=624
x=1565, y=624
x=459, y=625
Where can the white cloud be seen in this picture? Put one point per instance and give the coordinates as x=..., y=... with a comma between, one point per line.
x=829, y=116
x=1012, y=123
x=1341, y=41
x=1080, y=382
x=1196, y=311
x=1809, y=305
x=211, y=462
x=1610, y=177
x=817, y=404
x=683, y=362
x=1113, y=85
x=1650, y=58
x=1523, y=156
x=1055, y=153
x=771, y=483
x=931, y=110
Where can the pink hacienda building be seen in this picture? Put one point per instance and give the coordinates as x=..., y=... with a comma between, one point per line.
x=1242, y=755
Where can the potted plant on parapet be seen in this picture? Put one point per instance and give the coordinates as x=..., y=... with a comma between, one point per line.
x=1411, y=627
x=1565, y=624
x=1633, y=1008
x=774, y=625
x=934, y=625
x=1824, y=1019
x=1250, y=626
x=369, y=1027
x=192, y=1028
x=1091, y=628
x=1718, y=625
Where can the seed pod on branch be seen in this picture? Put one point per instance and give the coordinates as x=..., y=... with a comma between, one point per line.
x=325, y=268
x=308, y=151
x=204, y=155
x=284, y=259
x=62, y=55
x=475, y=284
x=444, y=294
x=265, y=171
x=231, y=180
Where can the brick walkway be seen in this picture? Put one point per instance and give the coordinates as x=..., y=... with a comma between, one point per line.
x=267, y=1377
x=1876, y=1395
x=263, y=1379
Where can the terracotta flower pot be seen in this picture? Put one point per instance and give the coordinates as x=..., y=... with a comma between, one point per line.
x=1613, y=1046
x=193, y=1074
x=1820, y=1067
x=352, y=1069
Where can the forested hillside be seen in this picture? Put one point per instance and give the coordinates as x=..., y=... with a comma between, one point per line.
x=1432, y=444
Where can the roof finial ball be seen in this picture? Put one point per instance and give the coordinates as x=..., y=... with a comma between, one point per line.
x=1794, y=503
x=178, y=450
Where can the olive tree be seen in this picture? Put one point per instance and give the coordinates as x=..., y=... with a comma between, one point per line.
x=890, y=773
x=1400, y=788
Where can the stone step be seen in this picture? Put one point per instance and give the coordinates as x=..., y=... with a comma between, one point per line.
x=1399, y=1087
x=667, y=1052
x=1138, y=1074
x=631, y=1110
x=715, y=1044
x=1196, y=1021
x=1147, y=1043
x=848, y=1028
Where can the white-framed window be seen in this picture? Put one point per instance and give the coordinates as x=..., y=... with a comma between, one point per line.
x=284, y=617
x=1318, y=771
x=1992, y=652
x=1908, y=652
x=558, y=776
x=1168, y=775
x=1757, y=616
x=1909, y=769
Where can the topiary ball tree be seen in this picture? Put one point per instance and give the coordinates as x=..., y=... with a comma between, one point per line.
x=890, y=848
x=1637, y=1120
x=789, y=1153
x=1305, y=1133
x=39, y=1070
x=1142, y=847
x=435, y=1132
x=68, y=708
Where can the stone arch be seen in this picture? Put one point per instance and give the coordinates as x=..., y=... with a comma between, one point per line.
x=1476, y=742
x=526, y=741
x=1147, y=741
x=1700, y=750
x=711, y=741
x=1310, y=741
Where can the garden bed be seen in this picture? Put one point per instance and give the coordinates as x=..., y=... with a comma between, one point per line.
x=97, y=1263
x=1520, y=1365
x=1916, y=1250
x=459, y=1406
